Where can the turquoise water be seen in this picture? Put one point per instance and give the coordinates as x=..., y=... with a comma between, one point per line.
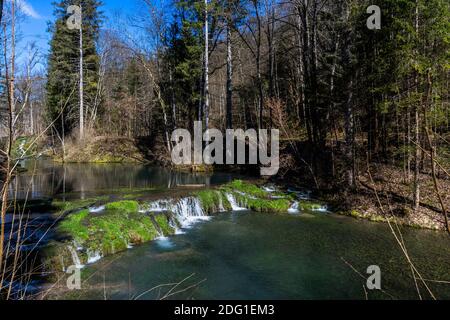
x=243, y=255
x=263, y=256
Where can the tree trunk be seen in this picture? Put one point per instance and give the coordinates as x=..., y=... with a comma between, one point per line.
x=81, y=80
x=229, y=76
x=417, y=128
x=206, y=61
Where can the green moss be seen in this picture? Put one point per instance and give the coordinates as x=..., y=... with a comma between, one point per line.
x=114, y=230
x=355, y=214
x=311, y=206
x=73, y=226
x=247, y=188
x=111, y=232
x=124, y=206
x=56, y=257
x=263, y=205
x=163, y=223
x=69, y=205
x=212, y=200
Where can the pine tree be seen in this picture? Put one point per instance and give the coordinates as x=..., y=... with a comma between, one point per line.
x=63, y=64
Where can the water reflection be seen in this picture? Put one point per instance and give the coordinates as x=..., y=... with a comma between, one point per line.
x=44, y=178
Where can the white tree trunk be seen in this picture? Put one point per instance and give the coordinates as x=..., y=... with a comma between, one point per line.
x=206, y=57
x=81, y=81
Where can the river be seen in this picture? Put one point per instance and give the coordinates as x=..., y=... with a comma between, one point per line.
x=245, y=255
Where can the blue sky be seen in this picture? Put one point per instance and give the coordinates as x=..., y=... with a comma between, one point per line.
x=38, y=12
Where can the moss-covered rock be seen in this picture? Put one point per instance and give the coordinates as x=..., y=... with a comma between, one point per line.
x=261, y=204
x=74, y=227
x=111, y=231
x=163, y=222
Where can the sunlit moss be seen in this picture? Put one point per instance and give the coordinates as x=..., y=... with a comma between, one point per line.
x=247, y=188
x=69, y=205
x=164, y=225
x=124, y=206
x=213, y=201
x=74, y=227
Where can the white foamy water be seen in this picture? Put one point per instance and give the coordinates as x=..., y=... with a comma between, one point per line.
x=75, y=259
x=269, y=189
x=301, y=195
x=93, y=256
x=294, y=208
x=187, y=211
x=323, y=209
x=232, y=200
x=97, y=209
x=165, y=242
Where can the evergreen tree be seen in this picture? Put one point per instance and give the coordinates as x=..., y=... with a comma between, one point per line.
x=63, y=65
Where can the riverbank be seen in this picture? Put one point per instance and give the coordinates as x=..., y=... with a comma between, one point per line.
x=102, y=149
x=385, y=196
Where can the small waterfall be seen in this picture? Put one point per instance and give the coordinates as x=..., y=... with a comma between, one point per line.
x=174, y=223
x=269, y=189
x=186, y=211
x=75, y=258
x=294, y=208
x=93, y=256
x=189, y=211
x=233, y=203
x=157, y=227
x=323, y=209
x=97, y=209
x=158, y=206
x=301, y=195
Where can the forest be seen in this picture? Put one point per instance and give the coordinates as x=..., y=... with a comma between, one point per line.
x=358, y=89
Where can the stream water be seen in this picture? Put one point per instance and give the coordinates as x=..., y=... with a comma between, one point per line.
x=241, y=254
x=263, y=256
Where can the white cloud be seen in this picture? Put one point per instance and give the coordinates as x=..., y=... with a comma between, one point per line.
x=27, y=9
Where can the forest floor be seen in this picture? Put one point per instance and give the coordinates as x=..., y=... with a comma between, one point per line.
x=103, y=149
x=387, y=196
